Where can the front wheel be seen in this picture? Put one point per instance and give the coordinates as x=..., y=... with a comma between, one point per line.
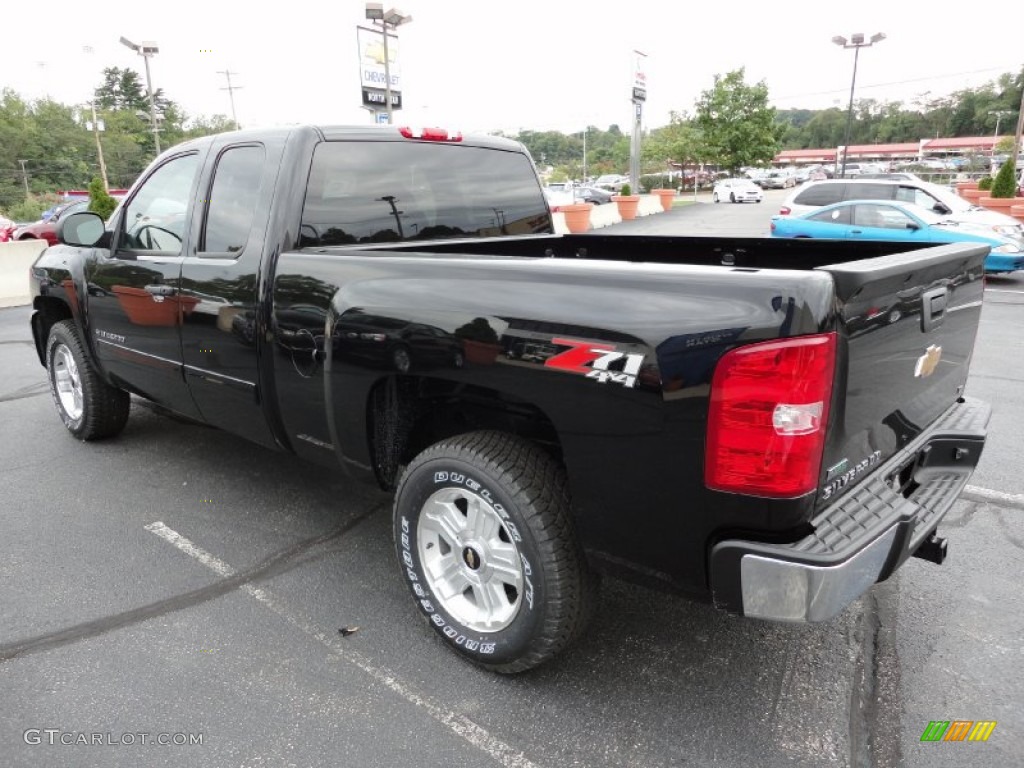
x=484, y=535
x=90, y=408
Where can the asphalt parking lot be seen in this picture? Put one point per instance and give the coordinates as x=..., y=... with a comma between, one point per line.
x=180, y=582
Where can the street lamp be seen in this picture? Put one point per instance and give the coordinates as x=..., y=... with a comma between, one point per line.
x=856, y=42
x=145, y=50
x=391, y=19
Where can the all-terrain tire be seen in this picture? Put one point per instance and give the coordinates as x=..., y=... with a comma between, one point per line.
x=90, y=408
x=485, y=540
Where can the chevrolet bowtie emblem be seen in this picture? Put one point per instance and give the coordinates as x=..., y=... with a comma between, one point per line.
x=928, y=362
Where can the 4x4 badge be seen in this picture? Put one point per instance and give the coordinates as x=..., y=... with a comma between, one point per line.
x=928, y=362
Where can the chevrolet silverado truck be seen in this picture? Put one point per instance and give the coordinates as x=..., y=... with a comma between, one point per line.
x=770, y=426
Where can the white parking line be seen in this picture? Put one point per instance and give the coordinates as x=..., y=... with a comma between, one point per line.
x=977, y=493
x=458, y=724
x=1001, y=290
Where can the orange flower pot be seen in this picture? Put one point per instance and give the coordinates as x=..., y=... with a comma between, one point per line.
x=480, y=352
x=667, y=196
x=577, y=216
x=972, y=195
x=627, y=205
x=142, y=307
x=1000, y=204
x=965, y=185
x=1017, y=211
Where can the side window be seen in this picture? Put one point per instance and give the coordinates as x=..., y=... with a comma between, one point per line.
x=833, y=216
x=870, y=191
x=154, y=220
x=917, y=197
x=820, y=194
x=233, y=198
x=880, y=217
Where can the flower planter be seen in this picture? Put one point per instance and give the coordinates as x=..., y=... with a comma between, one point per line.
x=142, y=307
x=667, y=196
x=480, y=352
x=1000, y=204
x=972, y=195
x=577, y=216
x=627, y=205
x=1017, y=211
x=963, y=186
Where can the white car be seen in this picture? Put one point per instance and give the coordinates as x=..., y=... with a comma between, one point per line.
x=932, y=197
x=737, y=191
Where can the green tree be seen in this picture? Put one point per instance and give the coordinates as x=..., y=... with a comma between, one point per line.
x=121, y=89
x=1005, y=184
x=736, y=122
x=100, y=202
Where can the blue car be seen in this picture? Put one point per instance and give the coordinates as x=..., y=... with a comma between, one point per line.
x=905, y=222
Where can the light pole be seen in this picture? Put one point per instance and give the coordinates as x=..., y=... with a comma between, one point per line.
x=856, y=42
x=390, y=20
x=584, y=155
x=145, y=50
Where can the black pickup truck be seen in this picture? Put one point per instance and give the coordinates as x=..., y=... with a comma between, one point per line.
x=772, y=426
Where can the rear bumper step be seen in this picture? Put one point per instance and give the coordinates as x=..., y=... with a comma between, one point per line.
x=863, y=537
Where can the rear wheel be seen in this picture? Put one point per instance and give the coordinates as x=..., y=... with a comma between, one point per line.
x=90, y=408
x=484, y=536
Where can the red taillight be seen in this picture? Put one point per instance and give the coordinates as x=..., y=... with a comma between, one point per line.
x=785, y=210
x=429, y=134
x=767, y=419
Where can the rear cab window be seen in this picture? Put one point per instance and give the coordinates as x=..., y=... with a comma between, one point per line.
x=381, y=192
x=820, y=194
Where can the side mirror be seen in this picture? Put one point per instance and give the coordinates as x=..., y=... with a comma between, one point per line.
x=912, y=225
x=942, y=208
x=84, y=229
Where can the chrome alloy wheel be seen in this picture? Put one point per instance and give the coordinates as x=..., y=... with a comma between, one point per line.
x=69, y=383
x=471, y=563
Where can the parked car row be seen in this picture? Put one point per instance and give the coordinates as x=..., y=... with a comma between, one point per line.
x=901, y=222
x=559, y=195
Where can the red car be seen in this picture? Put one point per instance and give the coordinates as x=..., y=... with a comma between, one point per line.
x=6, y=229
x=47, y=230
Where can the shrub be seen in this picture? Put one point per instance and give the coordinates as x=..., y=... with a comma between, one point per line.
x=985, y=183
x=32, y=207
x=99, y=201
x=654, y=181
x=626, y=190
x=1005, y=184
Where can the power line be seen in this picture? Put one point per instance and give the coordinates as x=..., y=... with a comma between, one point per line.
x=894, y=82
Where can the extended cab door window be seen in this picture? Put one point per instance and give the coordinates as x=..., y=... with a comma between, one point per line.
x=154, y=219
x=231, y=206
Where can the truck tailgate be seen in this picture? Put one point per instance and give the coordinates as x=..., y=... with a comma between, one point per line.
x=907, y=324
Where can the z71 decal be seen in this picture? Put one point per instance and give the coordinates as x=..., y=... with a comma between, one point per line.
x=596, y=361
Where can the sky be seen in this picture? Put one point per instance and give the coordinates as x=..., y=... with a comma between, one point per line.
x=529, y=64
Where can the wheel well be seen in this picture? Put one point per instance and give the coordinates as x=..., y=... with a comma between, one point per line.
x=49, y=311
x=407, y=414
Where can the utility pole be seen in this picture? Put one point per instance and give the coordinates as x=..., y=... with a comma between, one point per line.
x=99, y=146
x=231, y=93
x=1020, y=130
x=24, y=175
